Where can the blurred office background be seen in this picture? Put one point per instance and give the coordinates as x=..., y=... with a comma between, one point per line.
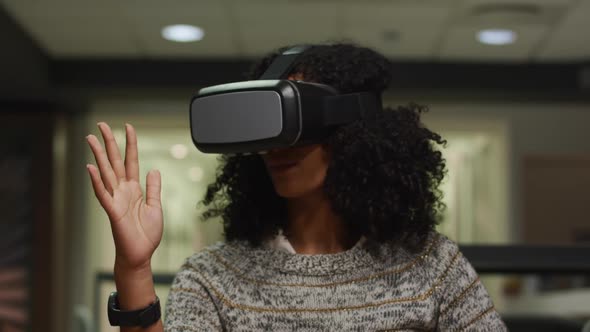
x=507, y=82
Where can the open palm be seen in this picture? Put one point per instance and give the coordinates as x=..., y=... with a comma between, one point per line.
x=136, y=223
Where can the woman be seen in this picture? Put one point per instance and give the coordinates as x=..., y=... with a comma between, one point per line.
x=325, y=237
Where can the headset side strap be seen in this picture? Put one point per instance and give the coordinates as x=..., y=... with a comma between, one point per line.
x=343, y=109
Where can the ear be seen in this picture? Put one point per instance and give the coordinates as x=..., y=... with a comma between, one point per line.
x=296, y=77
x=327, y=151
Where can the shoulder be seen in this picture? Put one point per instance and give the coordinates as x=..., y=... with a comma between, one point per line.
x=214, y=260
x=443, y=256
x=207, y=255
x=439, y=258
x=463, y=299
x=425, y=265
x=437, y=251
x=441, y=251
x=190, y=298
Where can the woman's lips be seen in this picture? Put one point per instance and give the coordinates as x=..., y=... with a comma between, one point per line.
x=282, y=167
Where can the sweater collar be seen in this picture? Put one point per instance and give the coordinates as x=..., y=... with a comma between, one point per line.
x=278, y=254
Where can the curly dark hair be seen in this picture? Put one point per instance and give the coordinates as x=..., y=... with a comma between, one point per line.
x=382, y=180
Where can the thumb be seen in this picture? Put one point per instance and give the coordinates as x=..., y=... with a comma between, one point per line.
x=153, y=189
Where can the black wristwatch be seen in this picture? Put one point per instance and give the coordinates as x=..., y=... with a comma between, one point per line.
x=142, y=317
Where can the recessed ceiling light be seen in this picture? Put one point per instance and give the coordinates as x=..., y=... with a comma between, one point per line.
x=182, y=33
x=496, y=36
x=179, y=151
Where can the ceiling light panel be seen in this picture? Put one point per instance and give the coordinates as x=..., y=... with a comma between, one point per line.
x=148, y=21
x=75, y=29
x=569, y=39
x=497, y=36
x=183, y=33
x=262, y=27
x=511, y=12
x=461, y=44
x=531, y=21
x=418, y=28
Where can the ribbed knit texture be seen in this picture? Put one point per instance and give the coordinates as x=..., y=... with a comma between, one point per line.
x=235, y=287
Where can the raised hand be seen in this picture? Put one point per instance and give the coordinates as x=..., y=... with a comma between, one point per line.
x=136, y=223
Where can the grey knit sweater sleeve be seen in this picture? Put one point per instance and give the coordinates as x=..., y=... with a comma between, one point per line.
x=464, y=302
x=192, y=308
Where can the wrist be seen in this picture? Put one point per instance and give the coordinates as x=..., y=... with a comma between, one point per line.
x=135, y=286
x=124, y=269
x=132, y=265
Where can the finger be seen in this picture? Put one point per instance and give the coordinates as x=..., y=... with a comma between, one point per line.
x=100, y=191
x=106, y=172
x=131, y=156
x=153, y=189
x=113, y=152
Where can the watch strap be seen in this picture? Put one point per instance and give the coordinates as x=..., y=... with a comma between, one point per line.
x=142, y=317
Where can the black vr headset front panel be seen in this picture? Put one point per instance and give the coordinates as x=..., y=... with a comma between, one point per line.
x=245, y=117
x=240, y=116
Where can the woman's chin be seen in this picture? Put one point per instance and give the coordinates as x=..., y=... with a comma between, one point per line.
x=296, y=189
x=287, y=191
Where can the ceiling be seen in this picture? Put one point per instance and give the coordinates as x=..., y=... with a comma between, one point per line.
x=548, y=30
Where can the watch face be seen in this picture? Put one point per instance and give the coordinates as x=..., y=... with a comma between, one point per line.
x=112, y=309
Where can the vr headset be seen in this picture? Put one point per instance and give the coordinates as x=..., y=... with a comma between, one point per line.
x=273, y=112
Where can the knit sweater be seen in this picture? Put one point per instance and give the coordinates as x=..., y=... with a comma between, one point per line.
x=236, y=287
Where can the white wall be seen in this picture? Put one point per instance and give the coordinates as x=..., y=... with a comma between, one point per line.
x=529, y=128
